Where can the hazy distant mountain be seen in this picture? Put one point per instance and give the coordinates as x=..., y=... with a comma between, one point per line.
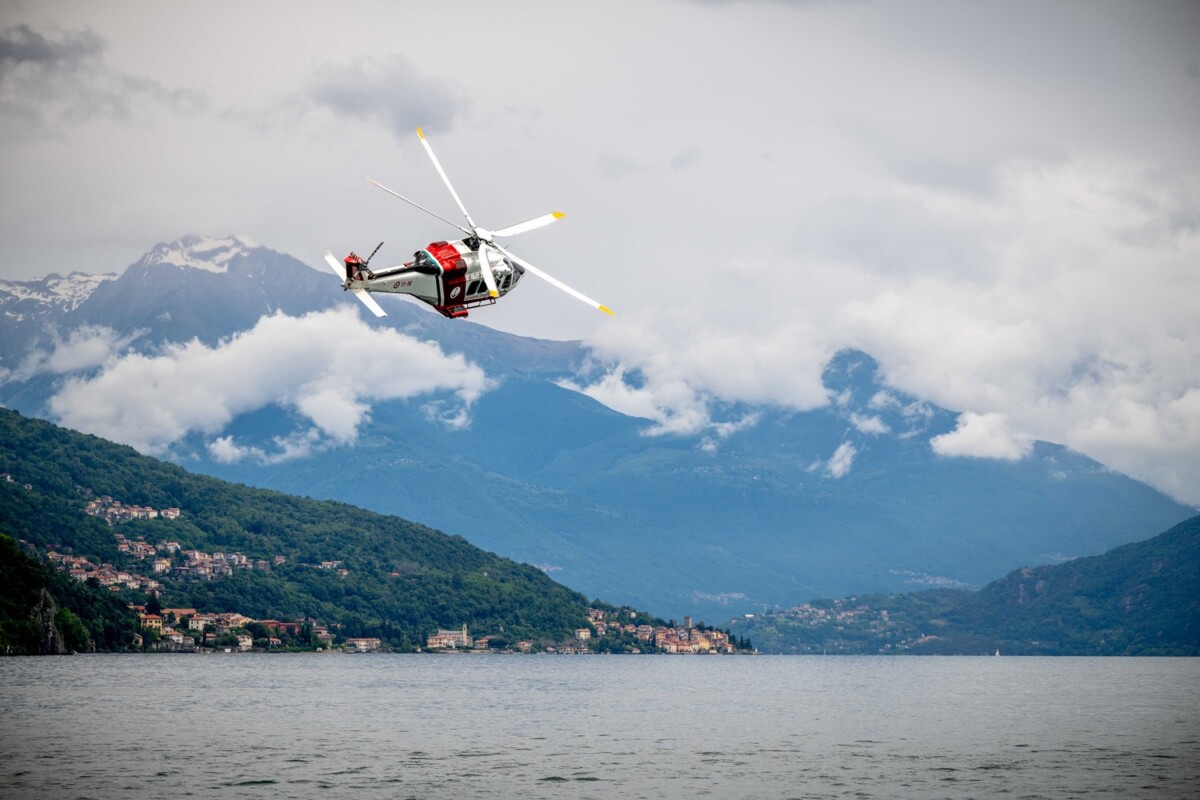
x=846, y=498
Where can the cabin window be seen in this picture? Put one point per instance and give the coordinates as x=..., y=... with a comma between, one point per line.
x=473, y=289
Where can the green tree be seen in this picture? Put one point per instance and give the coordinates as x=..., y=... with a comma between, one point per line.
x=75, y=634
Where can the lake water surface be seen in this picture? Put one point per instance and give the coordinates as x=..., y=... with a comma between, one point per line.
x=397, y=726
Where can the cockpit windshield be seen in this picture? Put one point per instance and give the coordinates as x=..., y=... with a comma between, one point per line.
x=424, y=262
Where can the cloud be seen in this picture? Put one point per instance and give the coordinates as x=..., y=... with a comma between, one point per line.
x=612, y=165
x=617, y=165
x=296, y=445
x=391, y=92
x=22, y=45
x=1075, y=331
x=982, y=436
x=674, y=406
x=687, y=157
x=224, y=450
x=85, y=347
x=873, y=425
x=688, y=364
x=1066, y=307
x=840, y=462
x=328, y=367
x=49, y=85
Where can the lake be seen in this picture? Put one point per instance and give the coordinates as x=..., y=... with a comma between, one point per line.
x=449, y=726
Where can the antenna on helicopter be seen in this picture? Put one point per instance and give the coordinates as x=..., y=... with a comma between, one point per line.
x=373, y=252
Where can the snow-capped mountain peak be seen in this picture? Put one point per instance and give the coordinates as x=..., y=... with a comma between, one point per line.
x=53, y=290
x=199, y=252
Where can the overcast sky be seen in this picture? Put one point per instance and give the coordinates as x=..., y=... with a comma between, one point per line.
x=1000, y=202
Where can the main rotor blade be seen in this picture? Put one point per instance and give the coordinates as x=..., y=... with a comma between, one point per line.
x=529, y=224
x=423, y=208
x=438, y=165
x=555, y=281
x=485, y=266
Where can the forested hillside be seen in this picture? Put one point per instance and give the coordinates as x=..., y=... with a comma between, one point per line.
x=1138, y=599
x=44, y=612
x=393, y=578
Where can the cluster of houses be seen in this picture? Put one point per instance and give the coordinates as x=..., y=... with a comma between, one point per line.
x=113, y=577
x=166, y=558
x=113, y=511
x=840, y=613
x=186, y=629
x=206, y=566
x=196, y=564
x=857, y=618
x=678, y=639
x=692, y=640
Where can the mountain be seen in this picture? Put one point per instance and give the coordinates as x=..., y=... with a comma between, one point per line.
x=370, y=574
x=844, y=498
x=204, y=288
x=1138, y=599
x=1142, y=598
x=31, y=309
x=548, y=476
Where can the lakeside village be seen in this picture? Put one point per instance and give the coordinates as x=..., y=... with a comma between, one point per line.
x=189, y=630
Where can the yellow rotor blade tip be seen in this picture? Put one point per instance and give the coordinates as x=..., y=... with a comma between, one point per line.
x=558, y=215
x=607, y=310
x=494, y=294
x=420, y=132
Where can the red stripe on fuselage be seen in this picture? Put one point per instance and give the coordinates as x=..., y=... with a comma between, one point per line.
x=454, y=275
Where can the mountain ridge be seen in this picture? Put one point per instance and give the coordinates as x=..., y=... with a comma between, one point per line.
x=845, y=497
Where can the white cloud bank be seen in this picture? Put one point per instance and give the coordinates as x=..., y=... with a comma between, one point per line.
x=327, y=366
x=982, y=436
x=85, y=347
x=1069, y=316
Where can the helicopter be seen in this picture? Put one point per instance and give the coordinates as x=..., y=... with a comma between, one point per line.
x=451, y=276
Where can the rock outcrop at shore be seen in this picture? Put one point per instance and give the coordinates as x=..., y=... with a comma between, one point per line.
x=51, y=642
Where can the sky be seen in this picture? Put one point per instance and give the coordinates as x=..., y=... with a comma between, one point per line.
x=998, y=201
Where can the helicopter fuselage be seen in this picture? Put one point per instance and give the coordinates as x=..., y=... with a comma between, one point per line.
x=446, y=275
